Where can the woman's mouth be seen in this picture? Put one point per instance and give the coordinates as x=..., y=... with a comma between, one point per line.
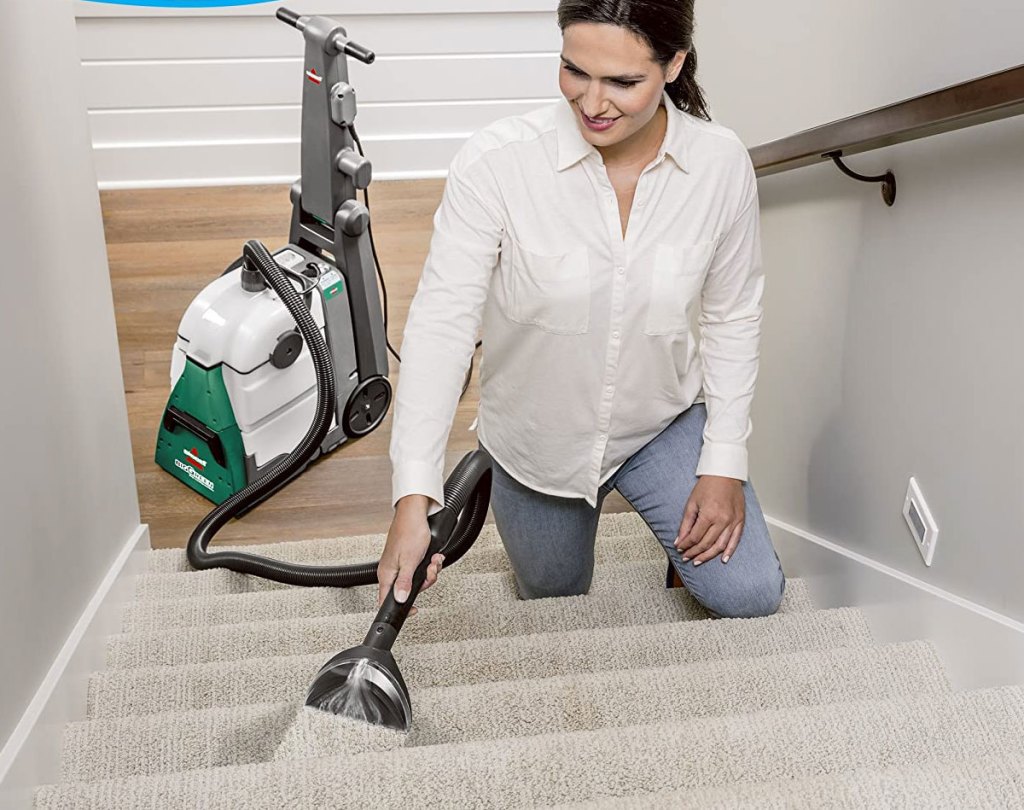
x=598, y=124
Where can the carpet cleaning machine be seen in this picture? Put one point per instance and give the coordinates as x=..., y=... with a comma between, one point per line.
x=283, y=359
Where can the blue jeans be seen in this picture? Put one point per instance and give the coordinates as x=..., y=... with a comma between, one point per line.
x=550, y=540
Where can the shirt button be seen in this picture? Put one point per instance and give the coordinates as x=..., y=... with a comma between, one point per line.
x=615, y=334
x=621, y=270
x=639, y=202
x=602, y=437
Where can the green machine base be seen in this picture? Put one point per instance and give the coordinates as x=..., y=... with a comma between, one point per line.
x=199, y=442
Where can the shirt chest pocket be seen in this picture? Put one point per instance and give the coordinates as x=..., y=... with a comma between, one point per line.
x=676, y=281
x=551, y=291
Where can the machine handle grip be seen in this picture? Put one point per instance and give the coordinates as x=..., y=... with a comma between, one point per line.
x=173, y=417
x=288, y=16
x=357, y=51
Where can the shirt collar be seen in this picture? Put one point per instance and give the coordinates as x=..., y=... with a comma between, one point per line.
x=573, y=147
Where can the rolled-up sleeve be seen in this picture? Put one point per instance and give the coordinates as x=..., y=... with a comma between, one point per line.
x=443, y=322
x=730, y=326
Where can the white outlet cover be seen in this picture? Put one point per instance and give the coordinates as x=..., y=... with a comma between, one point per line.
x=920, y=521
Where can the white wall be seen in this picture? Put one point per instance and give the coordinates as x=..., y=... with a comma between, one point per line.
x=203, y=96
x=893, y=337
x=67, y=484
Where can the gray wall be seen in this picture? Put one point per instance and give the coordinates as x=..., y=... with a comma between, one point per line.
x=67, y=484
x=893, y=337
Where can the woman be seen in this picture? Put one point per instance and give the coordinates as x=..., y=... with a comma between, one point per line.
x=587, y=238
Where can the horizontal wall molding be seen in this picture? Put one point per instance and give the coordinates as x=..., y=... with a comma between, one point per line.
x=147, y=165
x=244, y=37
x=283, y=122
x=84, y=9
x=112, y=85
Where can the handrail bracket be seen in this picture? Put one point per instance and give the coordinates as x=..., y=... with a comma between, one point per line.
x=888, y=180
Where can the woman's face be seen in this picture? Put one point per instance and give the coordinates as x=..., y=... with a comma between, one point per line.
x=609, y=74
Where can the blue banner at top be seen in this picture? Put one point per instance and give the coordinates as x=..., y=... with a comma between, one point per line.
x=181, y=3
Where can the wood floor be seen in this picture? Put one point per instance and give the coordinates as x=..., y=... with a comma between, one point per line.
x=164, y=246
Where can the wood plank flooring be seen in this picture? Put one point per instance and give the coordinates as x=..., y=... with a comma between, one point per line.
x=164, y=246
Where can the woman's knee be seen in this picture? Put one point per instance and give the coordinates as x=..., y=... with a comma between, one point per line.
x=754, y=600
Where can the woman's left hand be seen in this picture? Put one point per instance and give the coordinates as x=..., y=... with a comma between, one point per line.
x=713, y=519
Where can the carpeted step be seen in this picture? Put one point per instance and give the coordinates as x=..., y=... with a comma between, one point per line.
x=560, y=650
x=269, y=604
x=366, y=547
x=178, y=741
x=622, y=595
x=602, y=763
x=982, y=783
x=190, y=584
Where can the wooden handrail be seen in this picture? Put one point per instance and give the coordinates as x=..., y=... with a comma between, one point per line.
x=990, y=98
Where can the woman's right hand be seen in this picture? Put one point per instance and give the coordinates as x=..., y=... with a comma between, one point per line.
x=407, y=543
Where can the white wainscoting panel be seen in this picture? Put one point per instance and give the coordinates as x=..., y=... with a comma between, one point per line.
x=211, y=96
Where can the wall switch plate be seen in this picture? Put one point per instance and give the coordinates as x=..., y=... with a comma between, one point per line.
x=919, y=518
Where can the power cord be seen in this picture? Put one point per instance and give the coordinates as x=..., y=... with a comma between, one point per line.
x=373, y=249
x=380, y=274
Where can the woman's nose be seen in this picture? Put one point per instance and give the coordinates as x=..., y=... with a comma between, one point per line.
x=593, y=100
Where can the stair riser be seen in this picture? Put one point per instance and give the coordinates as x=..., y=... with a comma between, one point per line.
x=360, y=548
x=193, y=740
x=981, y=784
x=639, y=602
x=218, y=581
x=271, y=680
x=276, y=603
x=557, y=768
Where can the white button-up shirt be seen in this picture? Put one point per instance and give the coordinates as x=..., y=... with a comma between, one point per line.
x=592, y=343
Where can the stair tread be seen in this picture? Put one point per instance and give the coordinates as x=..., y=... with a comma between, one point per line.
x=362, y=548
x=617, y=761
x=273, y=678
x=978, y=784
x=620, y=595
x=175, y=585
x=192, y=739
x=238, y=606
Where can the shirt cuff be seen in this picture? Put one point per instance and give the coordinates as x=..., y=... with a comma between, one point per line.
x=418, y=478
x=722, y=458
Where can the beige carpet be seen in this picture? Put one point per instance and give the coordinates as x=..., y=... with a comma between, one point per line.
x=630, y=696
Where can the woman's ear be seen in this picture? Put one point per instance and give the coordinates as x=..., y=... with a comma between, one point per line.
x=675, y=67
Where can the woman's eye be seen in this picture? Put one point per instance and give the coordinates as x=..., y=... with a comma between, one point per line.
x=577, y=72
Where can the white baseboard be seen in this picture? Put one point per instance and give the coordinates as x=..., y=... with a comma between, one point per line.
x=979, y=647
x=32, y=754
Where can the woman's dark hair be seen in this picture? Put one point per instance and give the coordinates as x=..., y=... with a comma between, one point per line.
x=665, y=25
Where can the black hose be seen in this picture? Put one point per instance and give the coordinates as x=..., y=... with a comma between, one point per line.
x=466, y=492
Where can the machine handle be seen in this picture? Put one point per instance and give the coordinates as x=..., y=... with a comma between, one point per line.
x=288, y=16
x=174, y=417
x=357, y=51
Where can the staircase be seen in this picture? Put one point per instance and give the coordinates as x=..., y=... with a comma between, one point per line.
x=628, y=697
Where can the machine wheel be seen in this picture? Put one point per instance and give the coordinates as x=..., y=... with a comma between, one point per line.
x=367, y=406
